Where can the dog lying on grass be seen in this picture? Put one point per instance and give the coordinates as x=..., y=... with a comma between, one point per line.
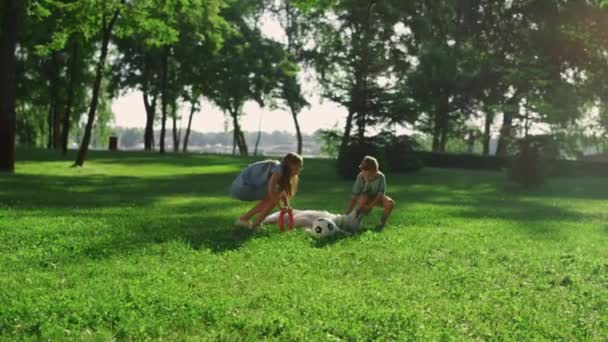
x=304, y=218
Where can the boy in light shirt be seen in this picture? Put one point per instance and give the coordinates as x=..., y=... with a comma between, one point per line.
x=369, y=191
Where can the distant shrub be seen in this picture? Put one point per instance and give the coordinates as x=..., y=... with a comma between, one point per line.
x=399, y=151
x=351, y=156
x=527, y=165
x=461, y=160
x=394, y=153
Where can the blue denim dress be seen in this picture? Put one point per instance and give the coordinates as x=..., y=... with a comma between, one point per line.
x=252, y=183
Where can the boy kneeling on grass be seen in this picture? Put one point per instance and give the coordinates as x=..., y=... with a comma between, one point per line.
x=369, y=191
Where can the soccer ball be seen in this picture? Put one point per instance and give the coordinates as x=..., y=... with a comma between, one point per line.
x=323, y=227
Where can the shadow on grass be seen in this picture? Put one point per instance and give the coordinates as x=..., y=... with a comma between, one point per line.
x=121, y=214
x=475, y=196
x=197, y=234
x=125, y=213
x=191, y=159
x=98, y=191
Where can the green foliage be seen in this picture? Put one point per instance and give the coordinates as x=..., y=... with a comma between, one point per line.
x=330, y=142
x=389, y=62
x=138, y=247
x=45, y=79
x=355, y=45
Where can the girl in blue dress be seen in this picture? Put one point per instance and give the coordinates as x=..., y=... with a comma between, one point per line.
x=268, y=182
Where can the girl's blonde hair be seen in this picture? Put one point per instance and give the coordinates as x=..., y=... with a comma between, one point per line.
x=289, y=180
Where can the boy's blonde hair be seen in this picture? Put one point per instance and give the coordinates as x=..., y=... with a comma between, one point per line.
x=369, y=163
x=289, y=182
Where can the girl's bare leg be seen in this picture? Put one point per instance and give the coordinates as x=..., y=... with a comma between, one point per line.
x=263, y=203
x=264, y=211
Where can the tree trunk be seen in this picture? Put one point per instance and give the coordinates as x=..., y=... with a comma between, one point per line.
x=257, y=142
x=52, y=72
x=73, y=74
x=149, y=106
x=176, y=133
x=57, y=117
x=150, y=115
x=361, y=125
x=487, y=135
x=359, y=103
x=444, y=122
x=443, y=142
x=436, y=132
x=239, y=137
x=243, y=149
x=106, y=33
x=294, y=114
x=54, y=119
x=187, y=136
x=234, y=138
x=510, y=112
x=347, y=129
x=8, y=117
x=471, y=142
x=164, y=98
x=49, y=122
x=505, y=134
x=259, y=136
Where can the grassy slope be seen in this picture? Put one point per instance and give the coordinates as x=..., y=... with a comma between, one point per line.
x=135, y=245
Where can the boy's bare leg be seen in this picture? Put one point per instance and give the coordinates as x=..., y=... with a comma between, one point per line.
x=362, y=201
x=387, y=204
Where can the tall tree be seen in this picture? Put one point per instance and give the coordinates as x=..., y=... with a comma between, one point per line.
x=12, y=11
x=177, y=132
x=75, y=75
x=249, y=69
x=353, y=56
x=138, y=67
x=53, y=76
x=109, y=13
x=164, y=95
x=297, y=25
x=194, y=101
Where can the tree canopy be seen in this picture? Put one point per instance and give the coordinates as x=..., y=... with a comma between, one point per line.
x=443, y=69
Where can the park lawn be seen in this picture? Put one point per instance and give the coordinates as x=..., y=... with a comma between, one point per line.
x=139, y=246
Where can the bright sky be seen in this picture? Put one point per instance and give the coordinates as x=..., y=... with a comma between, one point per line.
x=129, y=109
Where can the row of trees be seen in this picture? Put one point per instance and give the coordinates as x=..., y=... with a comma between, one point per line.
x=433, y=65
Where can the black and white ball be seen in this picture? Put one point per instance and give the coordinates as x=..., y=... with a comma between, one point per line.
x=323, y=227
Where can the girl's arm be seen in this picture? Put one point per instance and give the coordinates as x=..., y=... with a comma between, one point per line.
x=285, y=199
x=272, y=188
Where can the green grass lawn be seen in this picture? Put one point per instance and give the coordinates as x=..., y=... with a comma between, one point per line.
x=136, y=246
